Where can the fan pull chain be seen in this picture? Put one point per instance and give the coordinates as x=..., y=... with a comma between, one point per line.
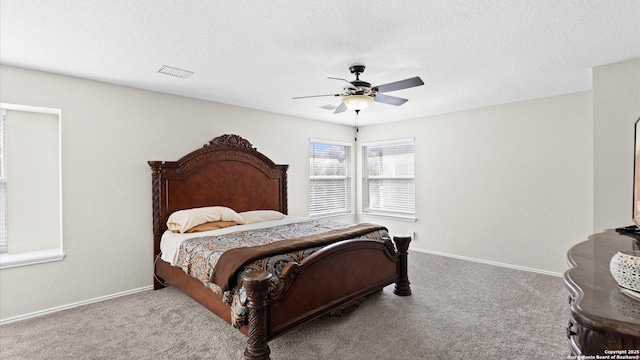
x=356, y=125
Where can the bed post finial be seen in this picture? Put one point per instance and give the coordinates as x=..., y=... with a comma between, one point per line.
x=256, y=285
x=402, y=285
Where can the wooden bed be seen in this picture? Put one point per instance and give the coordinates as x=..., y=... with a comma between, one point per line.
x=230, y=172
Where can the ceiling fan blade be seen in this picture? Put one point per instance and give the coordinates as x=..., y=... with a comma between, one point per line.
x=341, y=108
x=391, y=100
x=312, y=96
x=344, y=82
x=399, y=85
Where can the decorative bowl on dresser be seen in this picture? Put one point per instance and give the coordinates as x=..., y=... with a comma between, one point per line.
x=604, y=321
x=625, y=268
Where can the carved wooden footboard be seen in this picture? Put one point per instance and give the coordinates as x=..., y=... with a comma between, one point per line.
x=332, y=279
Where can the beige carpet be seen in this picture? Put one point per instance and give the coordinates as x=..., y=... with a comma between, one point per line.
x=458, y=310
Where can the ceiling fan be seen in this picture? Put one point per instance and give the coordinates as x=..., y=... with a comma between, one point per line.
x=358, y=94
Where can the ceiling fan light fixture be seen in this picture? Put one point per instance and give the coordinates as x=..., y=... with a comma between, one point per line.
x=357, y=102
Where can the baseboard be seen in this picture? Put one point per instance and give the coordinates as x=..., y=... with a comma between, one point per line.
x=70, y=306
x=488, y=262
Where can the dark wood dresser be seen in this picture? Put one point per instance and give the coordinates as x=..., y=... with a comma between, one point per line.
x=603, y=319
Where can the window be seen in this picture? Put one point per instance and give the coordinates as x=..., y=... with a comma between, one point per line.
x=30, y=186
x=388, y=186
x=329, y=178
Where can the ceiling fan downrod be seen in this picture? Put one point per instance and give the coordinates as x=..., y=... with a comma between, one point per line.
x=357, y=70
x=361, y=86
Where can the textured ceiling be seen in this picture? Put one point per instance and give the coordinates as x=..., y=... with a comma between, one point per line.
x=259, y=54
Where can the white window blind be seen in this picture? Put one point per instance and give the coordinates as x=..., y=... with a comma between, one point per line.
x=388, y=186
x=329, y=178
x=31, y=169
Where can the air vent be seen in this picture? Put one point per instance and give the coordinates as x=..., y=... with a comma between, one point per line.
x=168, y=70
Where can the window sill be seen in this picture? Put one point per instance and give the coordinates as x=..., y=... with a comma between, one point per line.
x=30, y=258
x=333, y=215
x=408, y=218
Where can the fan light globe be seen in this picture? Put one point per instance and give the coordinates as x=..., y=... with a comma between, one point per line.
x=357, y=102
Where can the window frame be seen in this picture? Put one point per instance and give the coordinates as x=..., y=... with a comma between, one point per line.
x=367, y=210
x=10, y=260
x=347, y=178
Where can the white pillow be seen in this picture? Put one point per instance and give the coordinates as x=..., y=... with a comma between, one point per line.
x=255, y=216
x=183, y=220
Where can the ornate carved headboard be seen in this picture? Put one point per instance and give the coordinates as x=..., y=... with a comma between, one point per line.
x=228, y=171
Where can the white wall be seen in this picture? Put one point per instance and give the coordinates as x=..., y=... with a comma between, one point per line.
x=616, y=107
x=108, y=134
x=510, y=184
